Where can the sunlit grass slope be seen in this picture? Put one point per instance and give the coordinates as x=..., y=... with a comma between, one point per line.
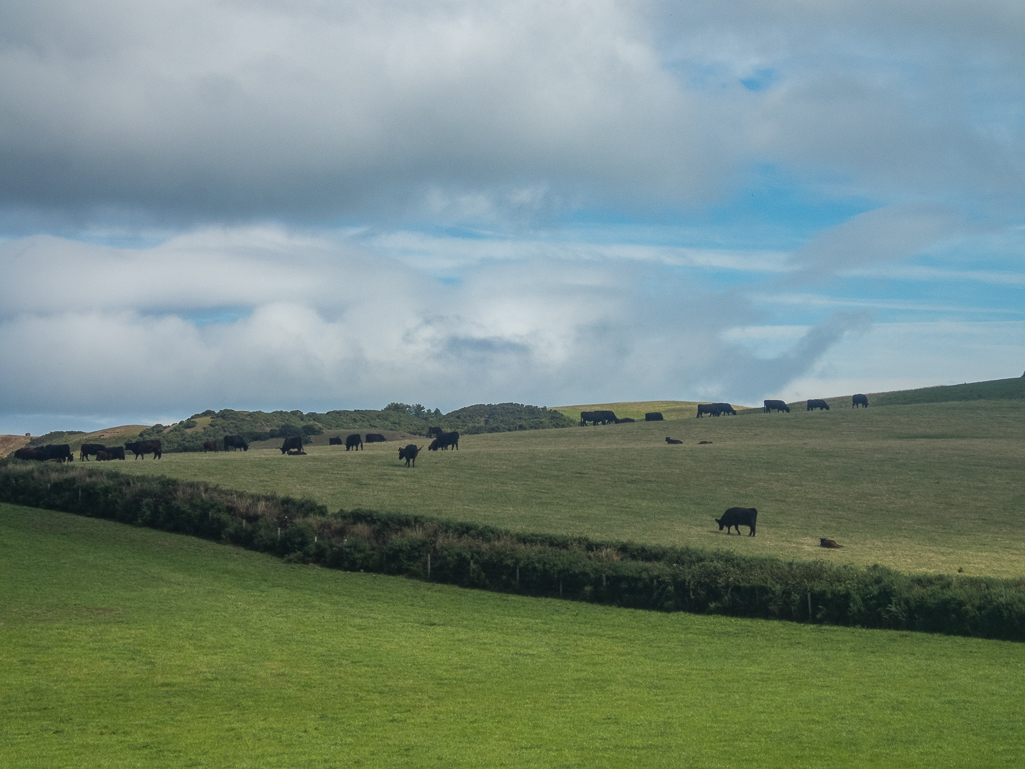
x=127, y=647
x=636, y=409
x=933, y=487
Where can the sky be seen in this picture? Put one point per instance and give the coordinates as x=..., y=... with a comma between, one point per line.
x=301, y=204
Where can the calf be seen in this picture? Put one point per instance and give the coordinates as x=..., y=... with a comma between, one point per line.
x=672, y=441
x=103, y=456
x=375, y=438
x=830, y=543
x=409, y=453
x=296, y=453
x=336, y=441
x=738, y=516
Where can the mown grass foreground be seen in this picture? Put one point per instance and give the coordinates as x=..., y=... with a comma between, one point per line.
x=123, y=647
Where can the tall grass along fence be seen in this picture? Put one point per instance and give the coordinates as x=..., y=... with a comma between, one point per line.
x=469, y=555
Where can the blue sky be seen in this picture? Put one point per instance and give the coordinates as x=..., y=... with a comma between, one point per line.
x=291, y=204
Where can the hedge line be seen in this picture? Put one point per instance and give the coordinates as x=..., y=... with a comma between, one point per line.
x=470, y=555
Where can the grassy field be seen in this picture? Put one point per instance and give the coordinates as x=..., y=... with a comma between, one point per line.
x=127, y=647
x=928, y=487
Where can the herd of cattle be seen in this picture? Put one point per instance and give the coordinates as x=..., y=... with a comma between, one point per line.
x=858, y=400
x=293, y=446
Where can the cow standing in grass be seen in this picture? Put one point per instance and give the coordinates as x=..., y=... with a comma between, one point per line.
x=817, y=403
x=409, y=453
x=859, y=400
x=738, y=516
x=353, y=442
x=235, y=442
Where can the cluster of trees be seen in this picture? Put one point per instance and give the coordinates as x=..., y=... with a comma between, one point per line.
x=613, y=573
x=190, y=434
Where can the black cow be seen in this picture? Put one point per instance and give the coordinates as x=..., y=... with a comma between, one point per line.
x=234, y=442
x=859, y=400
x=817, y=403
x=602, y=417
x=738, y=516
x=90, y=448
x=293, y=442
x=409, y=453
x=672, y=441
x=210, y=446
x=653, y=416
x=38, y=453
x=116, y=452
x=725, y=408
x=336, y=441
x=708, y=408
x=60, y=452
x=375, y=438
x=142, y=448
x=353, y=442
x=769, y=406
x=103, y=456
x=447, y=439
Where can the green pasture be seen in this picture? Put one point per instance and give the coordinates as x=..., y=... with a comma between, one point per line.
x=128, y=647
x=931, y=487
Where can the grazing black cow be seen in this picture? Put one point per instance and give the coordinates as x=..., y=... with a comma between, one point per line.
x=292, y=442
x=603, y=417
x=770, y=406
x=142, y=448
x=708, y=408
x=90, y=448
x=738, y=516
x=653, y=416
x=725, y=408
x=375, y=438
x=817, y=403
x=103, y=456
x=60, y=452
x=859, y=400
x=448, y=439
x=353, y=442
x=116, y=452
x=37, y=453
x=409, y=453
x=336, y=441
x=210, y=446
x=672, y=441
x=235, y=442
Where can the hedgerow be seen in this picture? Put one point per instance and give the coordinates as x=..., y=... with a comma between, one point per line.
x=475, y=556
